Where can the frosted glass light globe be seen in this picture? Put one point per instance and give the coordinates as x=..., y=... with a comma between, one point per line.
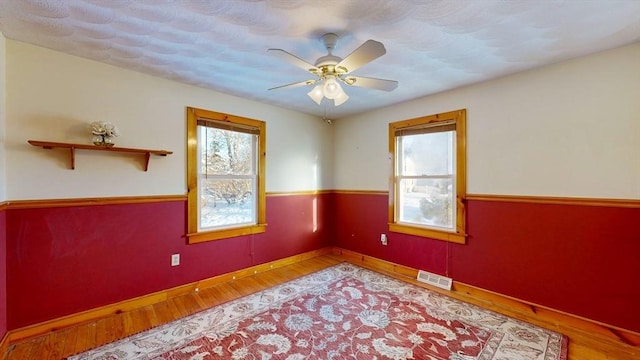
x=331, y=88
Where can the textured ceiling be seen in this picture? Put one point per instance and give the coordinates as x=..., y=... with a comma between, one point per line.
x=432, y=45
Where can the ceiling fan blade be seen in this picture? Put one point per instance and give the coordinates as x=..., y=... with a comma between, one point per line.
x=296, y=84
x=294, y=60
x=366, y=53
x=379, y=84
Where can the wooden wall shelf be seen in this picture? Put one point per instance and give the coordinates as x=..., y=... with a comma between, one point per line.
x=72, y=150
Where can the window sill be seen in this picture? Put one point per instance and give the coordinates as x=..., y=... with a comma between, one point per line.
x=225, y=233
x=429, y=233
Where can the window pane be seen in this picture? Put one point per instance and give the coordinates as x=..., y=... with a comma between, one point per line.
x=225, y=202
x=226, y=152
x=227, y=178
x=427, y=154
x=427, y=202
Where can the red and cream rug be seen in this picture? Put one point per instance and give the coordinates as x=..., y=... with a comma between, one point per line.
x=343, y=312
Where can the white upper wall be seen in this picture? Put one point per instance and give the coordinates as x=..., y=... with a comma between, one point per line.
x=570, y=129
x=3, y=86
x=53, y=96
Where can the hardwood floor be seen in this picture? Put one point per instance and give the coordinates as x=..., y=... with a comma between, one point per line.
x=74, y=339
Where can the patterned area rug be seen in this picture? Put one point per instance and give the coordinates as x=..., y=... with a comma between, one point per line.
x=343, y=312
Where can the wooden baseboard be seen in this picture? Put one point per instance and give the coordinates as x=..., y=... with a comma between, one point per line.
x=4, y=345
x=546, y=317
x=150, y=299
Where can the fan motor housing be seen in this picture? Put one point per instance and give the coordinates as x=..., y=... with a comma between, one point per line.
x=327, y=64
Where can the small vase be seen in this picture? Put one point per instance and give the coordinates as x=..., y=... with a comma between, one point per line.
x=107, y=141
x=97, y=140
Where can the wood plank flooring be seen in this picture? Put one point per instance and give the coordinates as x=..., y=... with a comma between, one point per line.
x=71, y=340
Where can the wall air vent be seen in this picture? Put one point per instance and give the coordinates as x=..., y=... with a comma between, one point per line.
x=435, y=280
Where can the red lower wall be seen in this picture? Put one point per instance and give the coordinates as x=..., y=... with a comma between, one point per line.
x=64, y=260
x=3, y=273
x=361, y=218
x=579, y=259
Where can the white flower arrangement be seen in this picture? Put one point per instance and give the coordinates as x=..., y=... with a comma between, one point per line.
x=104, y=128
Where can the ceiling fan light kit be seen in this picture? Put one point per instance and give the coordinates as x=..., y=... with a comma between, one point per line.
x=331, y=70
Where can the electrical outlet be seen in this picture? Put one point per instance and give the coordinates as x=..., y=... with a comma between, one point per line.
x=175, y=259
x=383, y=239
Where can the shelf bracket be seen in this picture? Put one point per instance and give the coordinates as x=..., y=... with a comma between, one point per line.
x=72, y=153
x=147, y=156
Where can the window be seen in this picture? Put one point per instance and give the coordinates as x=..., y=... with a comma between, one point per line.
x=225, y=175
x=429, y=176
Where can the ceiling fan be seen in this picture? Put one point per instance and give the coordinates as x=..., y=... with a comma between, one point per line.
x=332, y=70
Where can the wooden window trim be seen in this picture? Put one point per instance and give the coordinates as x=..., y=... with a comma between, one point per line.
x=460, y=119
x=193, y=235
